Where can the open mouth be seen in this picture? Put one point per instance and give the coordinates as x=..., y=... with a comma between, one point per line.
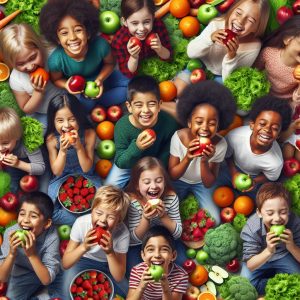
x=236, y=29
x=157, y=263
x=264, y=138
x=74, y=46
x=152, y=194
x=26, y=228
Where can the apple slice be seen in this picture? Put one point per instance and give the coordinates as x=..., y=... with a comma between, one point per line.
x=154, y=202
x=217, y=274
x=208, y=286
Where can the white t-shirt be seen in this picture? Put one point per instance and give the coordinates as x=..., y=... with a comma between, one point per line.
x=20, y=82
x=192, y=174
x=120, y=236
x=269, y=163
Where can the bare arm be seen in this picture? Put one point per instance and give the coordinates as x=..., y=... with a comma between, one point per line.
x=107, y=68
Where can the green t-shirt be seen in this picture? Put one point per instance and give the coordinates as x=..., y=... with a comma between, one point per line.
x=89, y=68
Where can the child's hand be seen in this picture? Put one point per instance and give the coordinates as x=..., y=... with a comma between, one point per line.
x=64, y=143
x=99, y=84
x=219, y=36
x=38, y=83
x=29, y=247
x=107, y=243
x=161, y=212
x=165, y=283
x=144, y=140
x=68, y=89
x=77, y=142
x=11, y=160
x=287, y=238
x=208, y=152
x=14, y=243
x=133, y=50
x=156, y=44
x=296, y=124
x=146, y=278
x=232, y=47
x=90, y=240
x=149, y=212
x=272, y=240
x=193, y=146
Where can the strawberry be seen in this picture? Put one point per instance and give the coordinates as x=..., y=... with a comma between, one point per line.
x=69, y=192
x=77, y=199
x=76, y=191
x=77, y=298
x=87, y=285
x=93, y=274
x=204, y=230
x=86, y=205
x=96, y=288
x=79, y=280
x=73, y=288
x=70, y=180
x=89, y=197
x=185, y=236
x=79, y=207
x=84, y=192
x=198, y=234
x=186, y=224
x=78, y=183
x=83, y=202
x=100, y=277
x=201, y=215
x=65, y=186
x=63, y=196
x=101, y=286
x=194, y=218
x=103, y=294
x=202, y=223
x=210, y=223
x=106, y=285
x=90, y=293
x=92, y=190
x=96, y=297
x=73, y=208
x=85, y=183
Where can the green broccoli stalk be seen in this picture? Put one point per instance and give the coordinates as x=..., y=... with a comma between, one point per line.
x=238, y=288
x=222, y=244
x=188, y=207
x=4, y=183
x=32, y=133
x=239, y=222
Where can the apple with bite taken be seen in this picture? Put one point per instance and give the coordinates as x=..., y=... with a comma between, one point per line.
x=203, y=143
x=189, y=265
x=21, y=234
x=76, y=83
x=134, y=41
x=9, y=201
x=98, y=114
x=69, y=135
x=150, y=132
x=227, y=214
x=197, y=75
x=151, y=36
x=99, y=232
x=114, y=113
x=156, y=272
x=291, y=167
x=29, y=183
x=277, y=229
x=153, y=203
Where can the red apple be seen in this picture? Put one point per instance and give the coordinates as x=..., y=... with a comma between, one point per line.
x=227, y=214
x=298, y=145
x=70, y=136
x=76, y=83
x=189, y=265
x=98, y=114
x=150, y=132
x=3, y=288
x=192, y=293
x=29, y=183
x=283, y=14
x=62, y=247
x=196, y=3
x=114, y=113
x=230, y=36
x=9, y=201
x=296, y=7
x=135, y=42
x=2, y=15
x=197, y=75
x=224, y=6
x=99, y=233
x=233, y=266
x=291, y=167
x=149, y=38
x=203, y=142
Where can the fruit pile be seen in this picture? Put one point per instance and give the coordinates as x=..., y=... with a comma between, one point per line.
x=76, y=194
x=91, y=284
x=195, y=227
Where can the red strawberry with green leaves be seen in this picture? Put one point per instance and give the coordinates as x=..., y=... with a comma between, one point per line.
x=67, y=203
x=73, y=288
x=89, y=197
x=86, y=285
x=86, y=183
x=78, y=183
x=197, y=234
x=79, y=280
x=103, y=294
x=63, y=196
x=73, y=208
x=93, y=274
x=84, y=192
x=71, y=179
x=201, y=214
x=92, y=190
x=210, y=223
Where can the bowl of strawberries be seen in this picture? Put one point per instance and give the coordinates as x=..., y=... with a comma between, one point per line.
x=76, y=194
x=91, y=284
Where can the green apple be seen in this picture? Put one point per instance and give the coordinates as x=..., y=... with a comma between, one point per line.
x=106, y=149
x=277, y=229
x=206, y=13
x=156, y=272
x=91, y=89
x=64, y=232
x=201, y=257
x=109, y=22
x=191, y=253
x=193, y=64
x=242, y=182
x=21, y=234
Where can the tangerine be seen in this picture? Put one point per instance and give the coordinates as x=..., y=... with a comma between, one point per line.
x=105, y=130
x=168, y=90
x=206, y=296
x=4, y=72
x=199, y=276
x=179, y=8
x=237, y=122
x=103, y=167
x=243, y=205
x=189, y=26
x=223, y=196
x=6, y=217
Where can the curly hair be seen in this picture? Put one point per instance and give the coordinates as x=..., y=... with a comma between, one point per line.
x=54, y=11
x=206, y=92
x=272, y=103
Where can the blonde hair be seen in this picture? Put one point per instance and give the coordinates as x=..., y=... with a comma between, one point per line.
x=14, y=38
x=264, y=8
x=10, y=124
x=113, y=198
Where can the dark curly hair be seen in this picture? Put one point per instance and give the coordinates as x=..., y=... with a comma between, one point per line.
x=54, y=11
x=272, y=103
x=206, y=92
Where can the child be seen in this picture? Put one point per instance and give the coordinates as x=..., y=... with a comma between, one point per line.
x=253, y=149
x=30, y=264
x=248, y=20
x=132, y=140
x=203, y=108
x=109, y=209
x=158, y=249
x=265, y=253
x=149, y=180
x=16, y=159
x=67, y=156
x=279, y=58
x=138, y=22
x=73, y=25
x=23, y=51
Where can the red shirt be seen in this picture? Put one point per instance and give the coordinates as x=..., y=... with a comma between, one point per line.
x=121, y=38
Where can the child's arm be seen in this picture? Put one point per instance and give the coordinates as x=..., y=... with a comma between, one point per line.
x=134, y=52
x=160, y=50
x=75, y=250
x=287, y=238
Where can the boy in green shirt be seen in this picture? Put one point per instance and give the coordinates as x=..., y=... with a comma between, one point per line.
x=132, y=136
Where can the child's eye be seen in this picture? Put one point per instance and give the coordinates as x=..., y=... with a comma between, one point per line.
x=78, y=30
x=63, y=33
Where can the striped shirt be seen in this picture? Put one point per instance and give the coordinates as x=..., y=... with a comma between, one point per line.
x=135, y=212
x=177, y=278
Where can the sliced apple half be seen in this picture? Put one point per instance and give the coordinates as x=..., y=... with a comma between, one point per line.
x=209, y=286
x=154, y=202
x=218, y=274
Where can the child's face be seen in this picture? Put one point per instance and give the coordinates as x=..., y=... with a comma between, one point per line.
x=274, y=212
x=292, y=50
x=28, y=60
x=73, y=38
x=30, y=218
x=65, y=121
x=244, y=19
x=7, y=146
x=204, y=121
x=105, y=217
x=151, y=184
x=158, y=252
x=144, y=108
x=140, y=23
x=265, y=129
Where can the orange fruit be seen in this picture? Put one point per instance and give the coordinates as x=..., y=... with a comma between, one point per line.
x=6, y=217
x=40, y=72
x=105, y=130
x=103, y=167
x=1, y=239
x=237, y=122
x=223, y=196
x=199, y=276
x=3, y=1
x=160, y=2
x=168, y=90
x=4, y=72
x=243, y=205
x=179, y=8
x=206, y=296
x=189, y=26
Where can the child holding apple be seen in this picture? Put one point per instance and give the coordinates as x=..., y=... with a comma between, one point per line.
x=70, y=140
x=73, y=25
x=197, y=150
x=146, y=131
x=29, y=257
x=271, y=237
x=16, y=159
x=107, y=252
x=140, y=36
x=157, y=277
